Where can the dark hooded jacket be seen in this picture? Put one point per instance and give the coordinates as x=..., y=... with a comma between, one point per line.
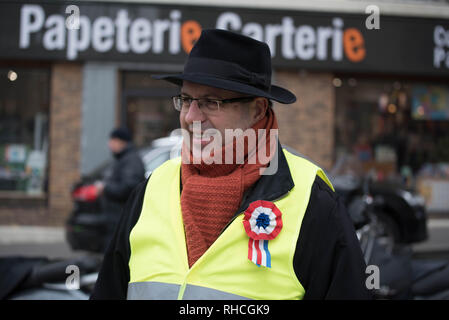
x=126, y=172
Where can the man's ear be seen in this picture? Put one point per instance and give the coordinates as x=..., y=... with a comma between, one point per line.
x=260, y=109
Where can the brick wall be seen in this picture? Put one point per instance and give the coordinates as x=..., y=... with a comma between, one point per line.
x=65, y=127
x=308, y=124
x=23, y=211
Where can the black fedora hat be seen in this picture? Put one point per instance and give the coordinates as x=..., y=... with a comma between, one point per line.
x=231, y=61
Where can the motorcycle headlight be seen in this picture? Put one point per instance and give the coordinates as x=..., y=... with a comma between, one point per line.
x=413, y=199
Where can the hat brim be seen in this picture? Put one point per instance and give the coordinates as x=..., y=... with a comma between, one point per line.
x=276, y=93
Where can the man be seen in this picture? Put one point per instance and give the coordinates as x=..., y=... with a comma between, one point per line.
x=220, y=229
x=125, y=173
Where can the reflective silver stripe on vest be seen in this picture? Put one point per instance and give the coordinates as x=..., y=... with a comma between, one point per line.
x=152, y=291
x=202, y=293
x=169, y=291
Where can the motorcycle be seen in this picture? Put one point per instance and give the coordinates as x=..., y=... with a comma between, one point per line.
x=87, y=226
x=28, y=278
x=400, y=211
x=400, y=276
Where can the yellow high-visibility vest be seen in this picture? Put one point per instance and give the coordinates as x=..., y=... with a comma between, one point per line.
x=158, y=263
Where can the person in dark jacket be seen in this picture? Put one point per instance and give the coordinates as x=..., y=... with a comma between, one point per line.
x=125, y=173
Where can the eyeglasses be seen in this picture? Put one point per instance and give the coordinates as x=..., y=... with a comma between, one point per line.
x=183, y=103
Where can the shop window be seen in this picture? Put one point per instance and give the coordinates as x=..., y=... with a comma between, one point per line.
x=147, y=107
x=395, y=129
x=24, y=111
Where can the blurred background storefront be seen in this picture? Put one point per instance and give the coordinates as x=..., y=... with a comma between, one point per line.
x=397, y=127
x=373, y=90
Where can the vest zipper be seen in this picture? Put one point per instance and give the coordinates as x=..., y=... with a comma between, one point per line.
x=181, y=290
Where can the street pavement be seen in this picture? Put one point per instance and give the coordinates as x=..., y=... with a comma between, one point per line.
x=50, y=242
x=30, y=241
x=437, y=245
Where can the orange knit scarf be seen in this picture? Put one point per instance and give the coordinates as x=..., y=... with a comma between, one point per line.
x=212, y=193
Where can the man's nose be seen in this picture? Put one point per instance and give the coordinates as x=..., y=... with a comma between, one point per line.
x=194, y=113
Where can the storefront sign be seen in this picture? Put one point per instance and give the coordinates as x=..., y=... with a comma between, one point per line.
x=441, y=51
x=165, y=34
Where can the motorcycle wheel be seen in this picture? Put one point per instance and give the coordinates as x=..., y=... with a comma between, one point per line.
x=388, y=231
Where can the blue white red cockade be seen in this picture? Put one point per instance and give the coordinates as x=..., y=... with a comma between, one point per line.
x=262, y=222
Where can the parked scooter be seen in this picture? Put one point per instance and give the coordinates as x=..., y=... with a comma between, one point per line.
x=400, y=211
x=27, y=278
x=401, y=276
x=88, y=226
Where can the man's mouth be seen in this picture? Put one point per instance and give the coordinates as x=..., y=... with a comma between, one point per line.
x=201, y=138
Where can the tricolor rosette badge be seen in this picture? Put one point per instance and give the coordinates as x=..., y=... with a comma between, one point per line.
x=262, y=222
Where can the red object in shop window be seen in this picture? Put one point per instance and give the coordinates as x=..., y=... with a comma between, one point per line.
x=85, y=193
x=380, y=176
